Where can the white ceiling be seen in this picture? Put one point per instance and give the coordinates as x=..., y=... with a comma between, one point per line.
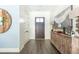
x=54, y=9
x=44, y=7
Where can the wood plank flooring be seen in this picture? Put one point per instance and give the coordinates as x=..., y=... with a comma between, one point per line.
x=39, y=47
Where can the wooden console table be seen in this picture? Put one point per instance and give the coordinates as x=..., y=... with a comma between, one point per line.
x=62, y=42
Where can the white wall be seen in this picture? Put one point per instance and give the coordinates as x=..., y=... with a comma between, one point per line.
x=58, y=10
x=34, y=14
x=24, y=36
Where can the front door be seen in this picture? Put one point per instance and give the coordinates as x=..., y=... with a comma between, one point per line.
x=39, y=27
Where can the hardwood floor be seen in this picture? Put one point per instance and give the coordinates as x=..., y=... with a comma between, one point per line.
x=39, y=47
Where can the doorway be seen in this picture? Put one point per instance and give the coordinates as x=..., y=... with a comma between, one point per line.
x=39, y=28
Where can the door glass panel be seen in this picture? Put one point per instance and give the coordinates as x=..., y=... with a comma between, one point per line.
x=41, y=19
x=37, y=20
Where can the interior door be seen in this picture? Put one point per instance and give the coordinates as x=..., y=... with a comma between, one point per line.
x=39, y=27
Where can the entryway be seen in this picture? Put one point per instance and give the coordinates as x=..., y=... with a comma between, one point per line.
x=39, y=28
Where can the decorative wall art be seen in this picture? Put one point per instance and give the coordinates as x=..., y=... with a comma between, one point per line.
x=5, y=20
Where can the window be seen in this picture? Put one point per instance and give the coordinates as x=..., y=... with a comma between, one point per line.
x=39, y=19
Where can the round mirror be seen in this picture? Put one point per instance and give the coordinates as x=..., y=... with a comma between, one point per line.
x=5, y=21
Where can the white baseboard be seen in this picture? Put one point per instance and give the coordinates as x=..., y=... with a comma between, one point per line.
x=9, y=50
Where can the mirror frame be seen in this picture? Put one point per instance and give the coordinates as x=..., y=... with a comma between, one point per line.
x=10, y=19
